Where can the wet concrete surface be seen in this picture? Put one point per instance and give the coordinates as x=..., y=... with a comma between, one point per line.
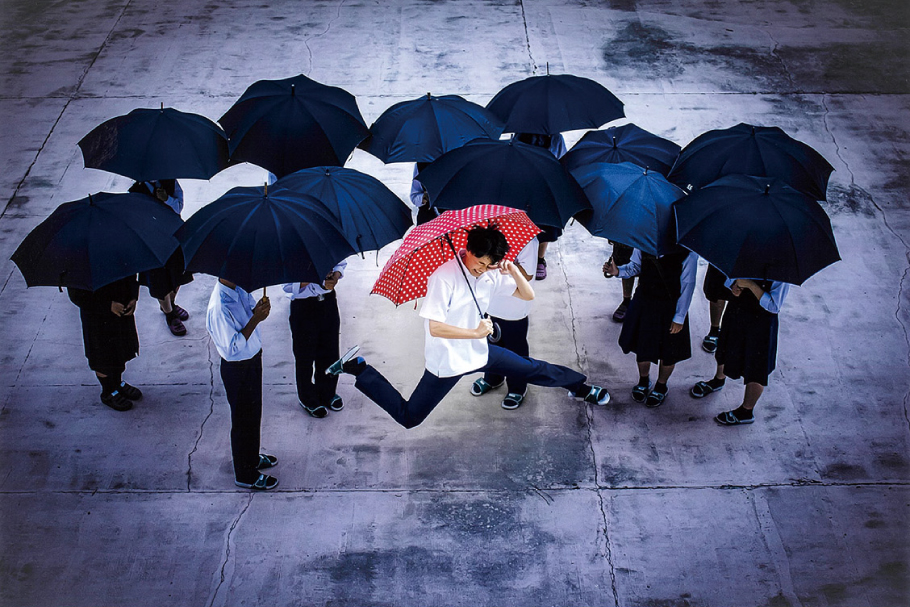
x=555, y=503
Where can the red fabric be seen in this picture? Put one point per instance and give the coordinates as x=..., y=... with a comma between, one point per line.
x=404, y=277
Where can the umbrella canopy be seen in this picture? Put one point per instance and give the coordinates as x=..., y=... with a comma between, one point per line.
x=92, y=242
x=627, y=143
x=751, y=150
x=157, y=144
x=424, y=129
x=370, y=215
x=631, y=205
x=431, y=244
x=507, y=173
x=552, y=104
x=292, y=124
x=256, y=238
x=755, y=227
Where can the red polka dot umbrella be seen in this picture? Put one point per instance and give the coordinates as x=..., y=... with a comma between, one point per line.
x=426, y=247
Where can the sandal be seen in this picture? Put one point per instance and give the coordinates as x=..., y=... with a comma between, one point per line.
x=266, y=461
x=541, y=272
x=482, y=386
x=704, y=388
x=640, y=392
x=620, y=314
x=180, y=312
x=728, y=419
x=709, y=344
x=175, y=325
x=655, y=399
x=512, y=400
x=263, y=483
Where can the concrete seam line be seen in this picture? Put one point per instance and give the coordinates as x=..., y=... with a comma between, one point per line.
x=189, y=457
x=227, y=550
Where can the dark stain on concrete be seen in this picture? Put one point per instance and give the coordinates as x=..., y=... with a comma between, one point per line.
x=846, y=472
x=779, y=600
x=850, y=200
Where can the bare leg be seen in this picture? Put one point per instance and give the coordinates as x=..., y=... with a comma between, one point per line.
x=627, y=285
x=716, y=312
x=167, y=303
x=719, y=374
x=753, y=393
x=542, y=249
x=664, y=372
x=644, y=369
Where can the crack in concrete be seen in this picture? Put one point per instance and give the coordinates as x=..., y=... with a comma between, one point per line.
x=189, y=457
x=31, y=347
x=780, y=59
x=306, y=41
x=774, y=544
x=524, y=21
x=227, y=548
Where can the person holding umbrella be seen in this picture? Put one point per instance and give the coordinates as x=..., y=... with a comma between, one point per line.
x=456, y=343
x=747, y=346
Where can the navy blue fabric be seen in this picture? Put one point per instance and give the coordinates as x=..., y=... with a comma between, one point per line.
x=627, y=143
x=514, y=337
x=243, y=387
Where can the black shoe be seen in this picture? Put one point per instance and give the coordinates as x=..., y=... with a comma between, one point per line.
x=337, y=404
x=337, y=367
x=116, y=401
x=356, y=366
x=266, y=461
x=317, y=412
x=709, y=343
x=263, y=483
x=130, y=392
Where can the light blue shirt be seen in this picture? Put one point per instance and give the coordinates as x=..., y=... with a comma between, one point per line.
x=686, y=281
x=228, y=313
x=312, y=289
x=772, y=300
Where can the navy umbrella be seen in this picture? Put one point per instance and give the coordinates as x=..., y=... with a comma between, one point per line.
x=157, y=144
x=631, y=205
x=756, y=227
x=257, y=238
x=370, y=215
x=752, y=150
x=627, y=143
x=424, y=129
x=92, y=242
x=507, y=173
x=554, y=103
x=292, y=124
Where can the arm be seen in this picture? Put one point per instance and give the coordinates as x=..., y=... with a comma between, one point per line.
x=441, y=329
x=523, y=288
x=633, y=268
x=418, y=194
x=772, y=300
x=687, y=288
x=260, y=312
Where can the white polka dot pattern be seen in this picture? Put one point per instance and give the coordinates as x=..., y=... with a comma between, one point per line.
x=425, y=248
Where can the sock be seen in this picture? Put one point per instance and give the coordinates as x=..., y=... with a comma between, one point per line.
x=355, y=366
x=109, y=384
x=716, y=383
x=644, y=381
x=742, y=413
x=714, y=332
x=626, y=300
x=660, y=388
x=580, y=390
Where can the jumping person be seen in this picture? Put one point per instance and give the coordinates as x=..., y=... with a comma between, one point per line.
x=456, y=341
x=232, y=319
x=747, y=346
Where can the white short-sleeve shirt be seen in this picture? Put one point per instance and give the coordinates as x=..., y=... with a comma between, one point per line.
x=514, y=308
x=449, y=301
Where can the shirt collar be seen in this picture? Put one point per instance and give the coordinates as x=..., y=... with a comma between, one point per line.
x=228, y=294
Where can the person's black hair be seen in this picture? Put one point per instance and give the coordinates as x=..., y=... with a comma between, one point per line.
x=541, y=141
x=487, y=241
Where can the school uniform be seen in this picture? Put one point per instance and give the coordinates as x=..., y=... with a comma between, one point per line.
x=173, y=275
x=315, y=324
x=511, y=314
x=713, y=286
x=425, y=212
x=748, y=338
x=665, y=288
x=449, y=301
x=228, y=312
x=109, y=340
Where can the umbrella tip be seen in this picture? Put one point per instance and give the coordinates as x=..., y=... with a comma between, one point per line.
x=548, y=68
x=265, y=189
x=767, y=188
x=328, y=173
x=429, y=96
x=293, y=91
x=162, y=106
x=646, y=170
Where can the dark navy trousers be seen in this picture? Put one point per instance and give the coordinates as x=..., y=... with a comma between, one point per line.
x=432, y=389
x=515, y=338
x=243, y=388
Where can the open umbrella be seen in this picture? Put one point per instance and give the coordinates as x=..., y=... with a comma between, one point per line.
x=92, y=242
x=507, y=173
x=257, y=238
x=429, y=245
x=370, y=215
x=627, y=143
x=756, y=227
x=631, y=205
x=423, y=129
x=292, y=124
x=554, y=103
x=751, y=150
x=157, y=144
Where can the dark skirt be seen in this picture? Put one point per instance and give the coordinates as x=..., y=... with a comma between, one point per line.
x=162, y=281
x=748, y=345
x=622, y=254
x=713, y=287
x=110, y=340
x=549, y=234
x=646, y=331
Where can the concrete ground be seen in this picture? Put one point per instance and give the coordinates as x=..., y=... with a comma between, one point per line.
x=553, y=504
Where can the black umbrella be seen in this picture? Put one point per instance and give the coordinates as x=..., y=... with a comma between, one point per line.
x=756, y=227
x=422, y=130
x=507, y=173
x=292, y=124
x=257, y=238
x=370, y=215
x=751, y=150
x=92, y=242
x=627, y=143
x=552, y=104
x=157, y=144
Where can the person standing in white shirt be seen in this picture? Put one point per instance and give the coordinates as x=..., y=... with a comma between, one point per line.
x=232, y=319
x=458, y=293
x=315, y=325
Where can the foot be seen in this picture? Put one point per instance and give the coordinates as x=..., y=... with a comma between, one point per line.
x=640, y=391
x=594, y=395
x=266, y=461
x=180, y=312
x=116, y=401
x=263, y=483
x=318, y=411
x=704, y=388
x=541, y=269
x=482, y=386
x=734, y=418
x=175, y=324
x=130, y=392
x=657, y=396
x=337, y=367
x=620, y=314
x=336, y=404
x=513, y=400
x=709, y=344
